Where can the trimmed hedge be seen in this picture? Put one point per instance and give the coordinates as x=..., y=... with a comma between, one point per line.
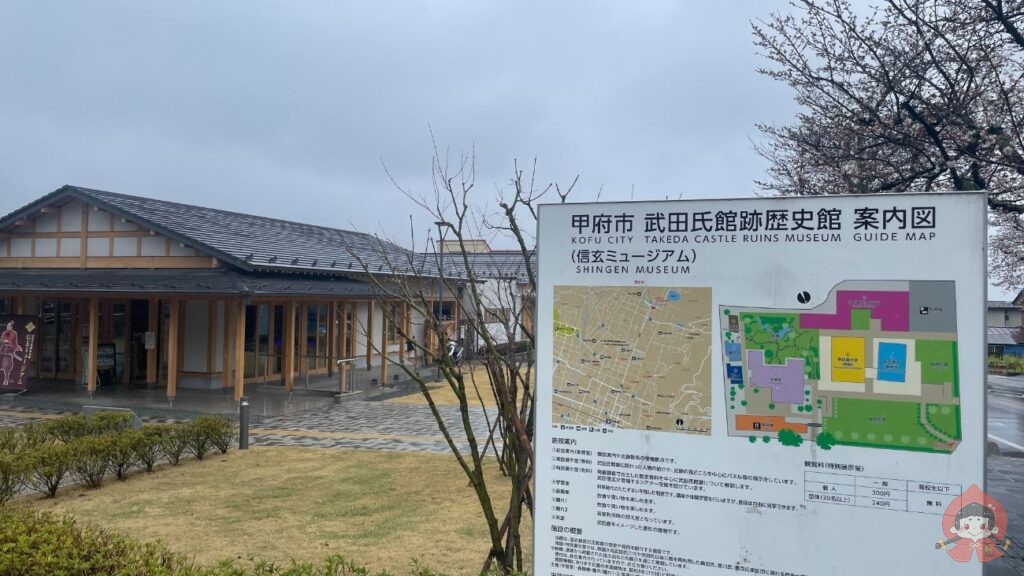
x=12, y=476
x=173, y=443
x=42, y=456
x=47, y=465
x=148, y=450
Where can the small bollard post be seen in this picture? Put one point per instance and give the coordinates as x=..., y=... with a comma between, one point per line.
x=243, y=423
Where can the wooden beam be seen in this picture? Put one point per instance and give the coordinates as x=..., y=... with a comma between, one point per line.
x=153, y=326
x=94, y=337
x=173, y=332
x=288, y=346
x=239, y=338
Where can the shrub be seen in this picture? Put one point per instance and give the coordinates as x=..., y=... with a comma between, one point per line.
x=90, y=457
x=11, y=441
x=12, y=475
x=34, y=434
x=219, y=429
x=111, y=421
x=68, y=428
x=198, y=437
x=38, y=543
x=43, y=544
x=147, y=451
x=124, y=452
x=173, y=442
x=47, y=465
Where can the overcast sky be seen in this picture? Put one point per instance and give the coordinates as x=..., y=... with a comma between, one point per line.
x=289, y=109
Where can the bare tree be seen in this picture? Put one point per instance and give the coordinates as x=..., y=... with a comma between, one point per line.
x=911, y=95
x=506, y=352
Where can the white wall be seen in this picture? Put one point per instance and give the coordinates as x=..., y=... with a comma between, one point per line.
x=197, y=335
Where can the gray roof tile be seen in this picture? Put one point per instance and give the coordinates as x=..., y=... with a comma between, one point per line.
x=254, y=243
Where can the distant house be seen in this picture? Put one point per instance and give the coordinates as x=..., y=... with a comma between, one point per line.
x=503, y=284
x=1005, y=341
x=1005, y=313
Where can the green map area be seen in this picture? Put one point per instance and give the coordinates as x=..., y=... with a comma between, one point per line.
x=780, y=337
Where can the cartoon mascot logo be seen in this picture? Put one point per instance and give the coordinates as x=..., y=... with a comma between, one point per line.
x=974, y=523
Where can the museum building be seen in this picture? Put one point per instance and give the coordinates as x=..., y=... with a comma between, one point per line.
x=160, y=294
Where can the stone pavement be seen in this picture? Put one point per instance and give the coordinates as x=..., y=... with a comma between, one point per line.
x=369, y=425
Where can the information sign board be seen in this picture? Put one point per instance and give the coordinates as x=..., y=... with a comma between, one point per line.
x=786, y=386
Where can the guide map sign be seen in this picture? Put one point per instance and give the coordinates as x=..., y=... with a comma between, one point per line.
x=789, y=386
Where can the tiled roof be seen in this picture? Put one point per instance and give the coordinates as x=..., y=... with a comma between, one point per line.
x=494, y=265
x=999, y=305
x=178, y=281
x=254, y=243
x=1005, y=335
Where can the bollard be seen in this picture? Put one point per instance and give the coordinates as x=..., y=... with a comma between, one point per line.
x=243, y=423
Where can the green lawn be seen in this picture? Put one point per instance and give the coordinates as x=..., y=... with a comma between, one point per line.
x=883, y=424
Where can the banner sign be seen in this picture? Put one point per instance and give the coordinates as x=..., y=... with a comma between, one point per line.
x=17, y=350
x=785, y=386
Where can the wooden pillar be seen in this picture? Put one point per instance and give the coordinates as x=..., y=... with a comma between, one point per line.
x=455, y=317
x=94, y=337
x=369, y=334
x=403, y=331
x=303, y=339
x=288, y=346
x=225, y=375
x=332, y=336
x=153, y=325
x=239, y=342
x=212, y=317
x=343, y=372
x=173, y=333
x=384, y=343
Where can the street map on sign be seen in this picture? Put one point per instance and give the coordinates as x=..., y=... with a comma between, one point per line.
x=632, y=357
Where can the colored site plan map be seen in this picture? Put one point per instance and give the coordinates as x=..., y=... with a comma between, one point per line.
x=636, y=358
x=874, y=366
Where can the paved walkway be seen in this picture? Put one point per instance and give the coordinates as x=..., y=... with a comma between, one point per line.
x=369, y=425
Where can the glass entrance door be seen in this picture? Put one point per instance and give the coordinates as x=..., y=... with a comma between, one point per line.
x=57, y=340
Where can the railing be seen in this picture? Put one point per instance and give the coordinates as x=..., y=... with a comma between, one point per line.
x=343, y=366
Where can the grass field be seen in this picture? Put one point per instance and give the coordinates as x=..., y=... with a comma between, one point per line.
x=442, y=393
x=879, y=424
x=378, y=509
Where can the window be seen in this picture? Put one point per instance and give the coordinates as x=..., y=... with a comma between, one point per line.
x=394, y=320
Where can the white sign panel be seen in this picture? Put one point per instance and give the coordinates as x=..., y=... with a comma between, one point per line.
x=789, y=387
